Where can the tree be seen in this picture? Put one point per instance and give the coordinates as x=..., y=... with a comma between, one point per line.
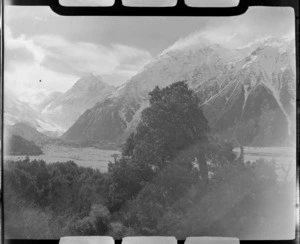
x=54, y=197
x=245, y=201
x=126, y=180
x=173, y=123
x=172, y=131
x=97, y=223
x=128, y=147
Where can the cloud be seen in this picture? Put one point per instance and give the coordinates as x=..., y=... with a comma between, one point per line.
x=205, y=38
x=24, y=81
x=131, y=59
x=22, y=43
x=76, y=57
x=59, y=49
x=23, y=70
x=59, y=62
x=237, y=31
x=83, y=57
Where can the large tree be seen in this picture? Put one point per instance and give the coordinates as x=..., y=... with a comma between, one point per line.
x=171, y=124
x=173, y=135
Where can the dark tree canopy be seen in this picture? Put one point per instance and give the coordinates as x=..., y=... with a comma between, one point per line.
x=172, y=123
x=171, y=130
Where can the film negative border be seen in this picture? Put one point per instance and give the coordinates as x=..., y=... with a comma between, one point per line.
x=180, y=9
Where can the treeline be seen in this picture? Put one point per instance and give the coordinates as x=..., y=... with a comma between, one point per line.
x=173, y=178
x=45, y=200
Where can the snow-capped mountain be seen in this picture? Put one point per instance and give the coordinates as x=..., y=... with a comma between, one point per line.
x=257, y=107
x=247, y=94
x=64, y=109
x=16, y=111
x=57, y=111
x=49, y=99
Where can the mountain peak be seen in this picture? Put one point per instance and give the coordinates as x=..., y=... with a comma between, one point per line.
x=84, y=94
x=88, y=80
x=88, y=75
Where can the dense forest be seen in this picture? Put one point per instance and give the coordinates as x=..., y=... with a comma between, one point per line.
x=173, y=178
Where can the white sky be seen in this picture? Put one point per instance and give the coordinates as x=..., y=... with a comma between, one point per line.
x=41, y=45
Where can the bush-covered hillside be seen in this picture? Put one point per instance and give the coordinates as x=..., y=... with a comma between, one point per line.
x=17, y=145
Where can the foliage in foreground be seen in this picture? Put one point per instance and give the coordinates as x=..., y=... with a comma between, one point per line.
x=60, y=191
x=174, y=178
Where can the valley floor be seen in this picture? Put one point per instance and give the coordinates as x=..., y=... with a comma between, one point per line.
x=86, y=157
x=285, y=157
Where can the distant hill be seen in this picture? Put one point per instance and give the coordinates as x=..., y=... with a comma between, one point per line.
x=28, y=132
x=16, y=145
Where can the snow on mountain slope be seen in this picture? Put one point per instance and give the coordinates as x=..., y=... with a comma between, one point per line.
x=243, y=93
x=273, y=62
x=44, y=105
x=262, y=100
x=16, y=111
x=65, y=108
x=116, y=117
x=58, y=110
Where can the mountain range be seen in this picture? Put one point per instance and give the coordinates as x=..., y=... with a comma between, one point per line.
x=16, y=111
x=248, y=94
x=64, y=108
x=57, y=112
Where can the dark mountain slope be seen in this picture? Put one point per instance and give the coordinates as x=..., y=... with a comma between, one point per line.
x=16, y=145
x=28, y=132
